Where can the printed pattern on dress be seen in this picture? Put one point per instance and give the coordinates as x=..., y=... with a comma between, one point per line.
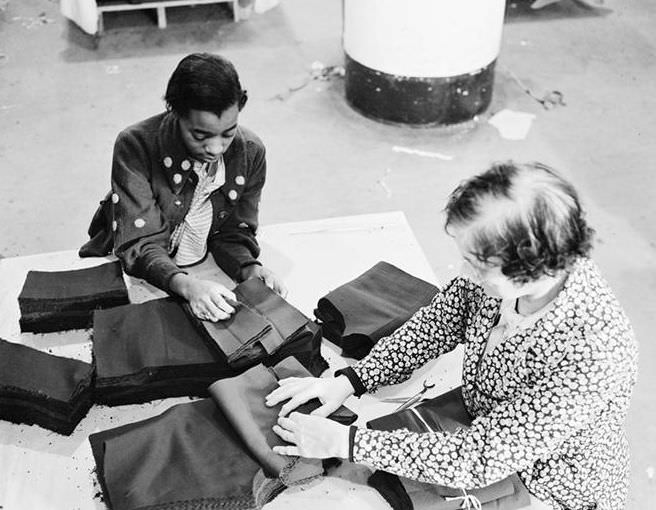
x=549, y=401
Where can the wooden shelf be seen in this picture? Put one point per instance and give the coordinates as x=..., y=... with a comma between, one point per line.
x=159, y=5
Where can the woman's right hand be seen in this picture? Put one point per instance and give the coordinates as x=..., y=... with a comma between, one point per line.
x=208, y=300
x=331, y=391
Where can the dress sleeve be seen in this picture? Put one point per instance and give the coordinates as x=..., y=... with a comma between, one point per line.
x=433, y=330
x=141, y=232
x=235, y=246
x=517, y=432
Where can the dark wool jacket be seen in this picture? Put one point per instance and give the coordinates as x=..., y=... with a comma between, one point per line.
x=152, y=187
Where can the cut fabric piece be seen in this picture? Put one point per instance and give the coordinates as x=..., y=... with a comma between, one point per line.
x=261, y=325
x=60, y=300
x=359, y=313
x=305, y=346
x=187, y=457
x=445, y=413
x=192, y=456
x=150, y=351
x=42, y=389
x=242, y=399
x=153, y=350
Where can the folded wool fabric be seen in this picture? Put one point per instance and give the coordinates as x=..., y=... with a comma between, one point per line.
x=261, y=325
x=153, y=350
x=359, y=313
x=42, y=389
x=150, y=351
x=60, y=300
x=445, y=413
x=188, y=457
x=242, y=398
x=201, y=455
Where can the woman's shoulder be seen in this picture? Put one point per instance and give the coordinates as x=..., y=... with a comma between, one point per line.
x=252, y=141
x=142, y=134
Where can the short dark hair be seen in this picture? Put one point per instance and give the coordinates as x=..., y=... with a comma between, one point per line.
x=540, y=228
x=205, y=82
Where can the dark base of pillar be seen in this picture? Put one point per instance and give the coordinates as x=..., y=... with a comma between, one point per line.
x=417, y=101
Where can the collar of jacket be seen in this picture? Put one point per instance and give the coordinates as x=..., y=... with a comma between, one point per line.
x=177, y=165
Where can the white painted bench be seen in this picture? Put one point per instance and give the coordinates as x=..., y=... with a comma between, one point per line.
x=159, y=5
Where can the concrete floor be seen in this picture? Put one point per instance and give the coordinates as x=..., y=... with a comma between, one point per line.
x=64, y=96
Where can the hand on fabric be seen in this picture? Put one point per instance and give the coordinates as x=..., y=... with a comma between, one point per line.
x=312, y=436
x=331, y=392
x=267, y=276
x=209, y=300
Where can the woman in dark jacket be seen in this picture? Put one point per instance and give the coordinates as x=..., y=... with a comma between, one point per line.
x=184, y=183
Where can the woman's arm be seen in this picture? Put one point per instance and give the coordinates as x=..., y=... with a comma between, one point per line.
x=235, y=246
x=432, y=331
x=141, y=232
x=516, y=433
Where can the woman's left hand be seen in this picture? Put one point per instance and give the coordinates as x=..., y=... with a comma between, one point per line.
x=267, y=276
x=312, y=436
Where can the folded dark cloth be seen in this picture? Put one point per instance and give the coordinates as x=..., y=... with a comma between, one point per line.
x=149, y=351
x=242, y=400
x=261, y=325
x=39, y=388
x=187, y=457
x=153, y=350
x=60, y=300
x=202, y=455
x=359, y=313
x=446, y=413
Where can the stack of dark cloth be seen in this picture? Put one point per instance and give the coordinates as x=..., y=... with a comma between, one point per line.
x=359, y=313
x=207, y=453
x=264, y=326
x=61, y=300
x=39, y=388
x=149, y=351
x=446, y=413
x=155, y=350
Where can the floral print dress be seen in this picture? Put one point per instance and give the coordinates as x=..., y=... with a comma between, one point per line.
x=549, y=401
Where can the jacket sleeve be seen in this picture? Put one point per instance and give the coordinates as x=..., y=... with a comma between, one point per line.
x=235, y=246
x=516, y=433
x=433, y=330
x=141, y=232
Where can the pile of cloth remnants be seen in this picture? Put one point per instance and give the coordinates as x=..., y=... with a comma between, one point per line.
x=141, y=352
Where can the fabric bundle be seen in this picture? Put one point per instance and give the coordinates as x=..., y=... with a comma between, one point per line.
x=61, y=300
x=446, y=413
x=153, y=350
x=262, y=325
x=242, y=401
x=207, y=453
x=359, y=313
x=150, y=351
x=42, y=389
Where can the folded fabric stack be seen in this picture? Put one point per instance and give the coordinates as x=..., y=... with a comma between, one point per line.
x=150, y=351
x=359, y=313
x=39, y=388
x=263, y=325
x=60, y=300
x=187, y=457
x=204, y=454
x=154, y=350
x=446, y=413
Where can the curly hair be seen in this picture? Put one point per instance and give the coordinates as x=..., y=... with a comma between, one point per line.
x=205, y=82
x=536, y=227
